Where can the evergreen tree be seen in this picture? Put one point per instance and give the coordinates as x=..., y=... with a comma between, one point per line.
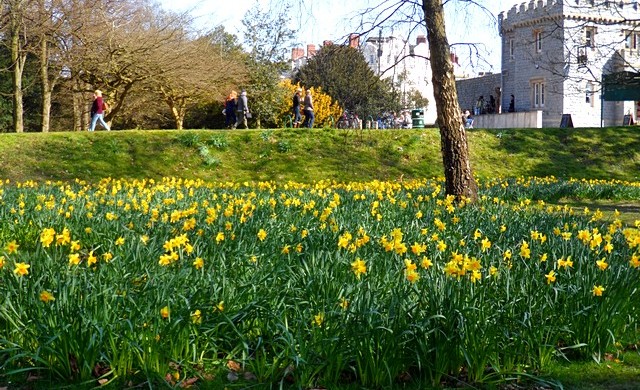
x=344, y=74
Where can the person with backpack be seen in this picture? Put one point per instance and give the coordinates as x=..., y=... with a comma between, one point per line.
x=97, y=111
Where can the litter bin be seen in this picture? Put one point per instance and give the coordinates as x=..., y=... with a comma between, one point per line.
x=417, y=118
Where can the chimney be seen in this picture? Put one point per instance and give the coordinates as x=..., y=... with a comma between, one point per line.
x=311, y=50
x=454, y=58
x=297, y=53
x=421, y=39
x=354, y=40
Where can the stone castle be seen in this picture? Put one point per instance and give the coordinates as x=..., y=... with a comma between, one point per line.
x=554, y=56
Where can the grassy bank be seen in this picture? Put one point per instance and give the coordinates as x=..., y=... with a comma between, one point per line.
x=240, y=285
x=305, y=156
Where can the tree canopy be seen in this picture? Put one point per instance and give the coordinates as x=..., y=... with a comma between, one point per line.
x=343, y=73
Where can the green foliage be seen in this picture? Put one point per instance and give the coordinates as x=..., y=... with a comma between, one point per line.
x=264, y=93
x=343, y=73
x=367, y=284
x=208, y=159
x=219, y=142
x=284, y=146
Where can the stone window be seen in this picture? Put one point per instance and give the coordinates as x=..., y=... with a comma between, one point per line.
x=590, y=37
x=538, y=93
x=512, y=49
x=589, y=93
x=631, y=40
x=537, y=37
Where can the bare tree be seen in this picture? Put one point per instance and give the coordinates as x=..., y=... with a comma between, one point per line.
x=198, y=71
x=15, y=13
x=47, y=28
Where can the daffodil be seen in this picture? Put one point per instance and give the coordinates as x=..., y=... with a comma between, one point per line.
x=551, y=277
x=91, y=259
x=359, y=267
x=198, y=263
x=525, y=252
x=164, y=312
x=318, y=319
x=602, y=264
x=262, y=234
x=74, y=259
x=597, y=291
x=11, y=247
x=412, y=276
x=47, y=236
x=196, y=317
x=46, y=297
x=21, y=269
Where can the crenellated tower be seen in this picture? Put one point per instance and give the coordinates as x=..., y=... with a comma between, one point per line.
x=555, y=52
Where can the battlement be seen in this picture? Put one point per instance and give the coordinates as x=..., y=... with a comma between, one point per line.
x=534, y=9
x=598, y=11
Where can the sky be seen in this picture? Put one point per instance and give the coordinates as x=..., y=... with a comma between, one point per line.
x=320, y=20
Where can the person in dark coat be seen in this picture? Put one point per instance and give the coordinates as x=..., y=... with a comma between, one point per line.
x=296, y=108
x=230, y=110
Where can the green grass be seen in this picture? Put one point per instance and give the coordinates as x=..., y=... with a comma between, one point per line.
x=305, y=156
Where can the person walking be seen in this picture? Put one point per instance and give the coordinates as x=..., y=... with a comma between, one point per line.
x=479, y=106
x=97, y=111
x=308, y=111
x=230, y=110
x=242, y=111
x=296, y=108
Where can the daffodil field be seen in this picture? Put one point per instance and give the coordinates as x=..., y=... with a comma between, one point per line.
x=309, y=285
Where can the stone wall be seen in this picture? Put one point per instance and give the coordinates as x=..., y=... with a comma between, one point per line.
x=515, y=120
x=470, y=89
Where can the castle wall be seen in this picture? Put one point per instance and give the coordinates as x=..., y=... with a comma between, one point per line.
x=566, y=46
x=470, y=89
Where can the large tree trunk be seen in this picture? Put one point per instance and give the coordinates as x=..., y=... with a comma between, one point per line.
x=47, y=86
x=79, y=122
x=18, y=59
x=453, y=138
